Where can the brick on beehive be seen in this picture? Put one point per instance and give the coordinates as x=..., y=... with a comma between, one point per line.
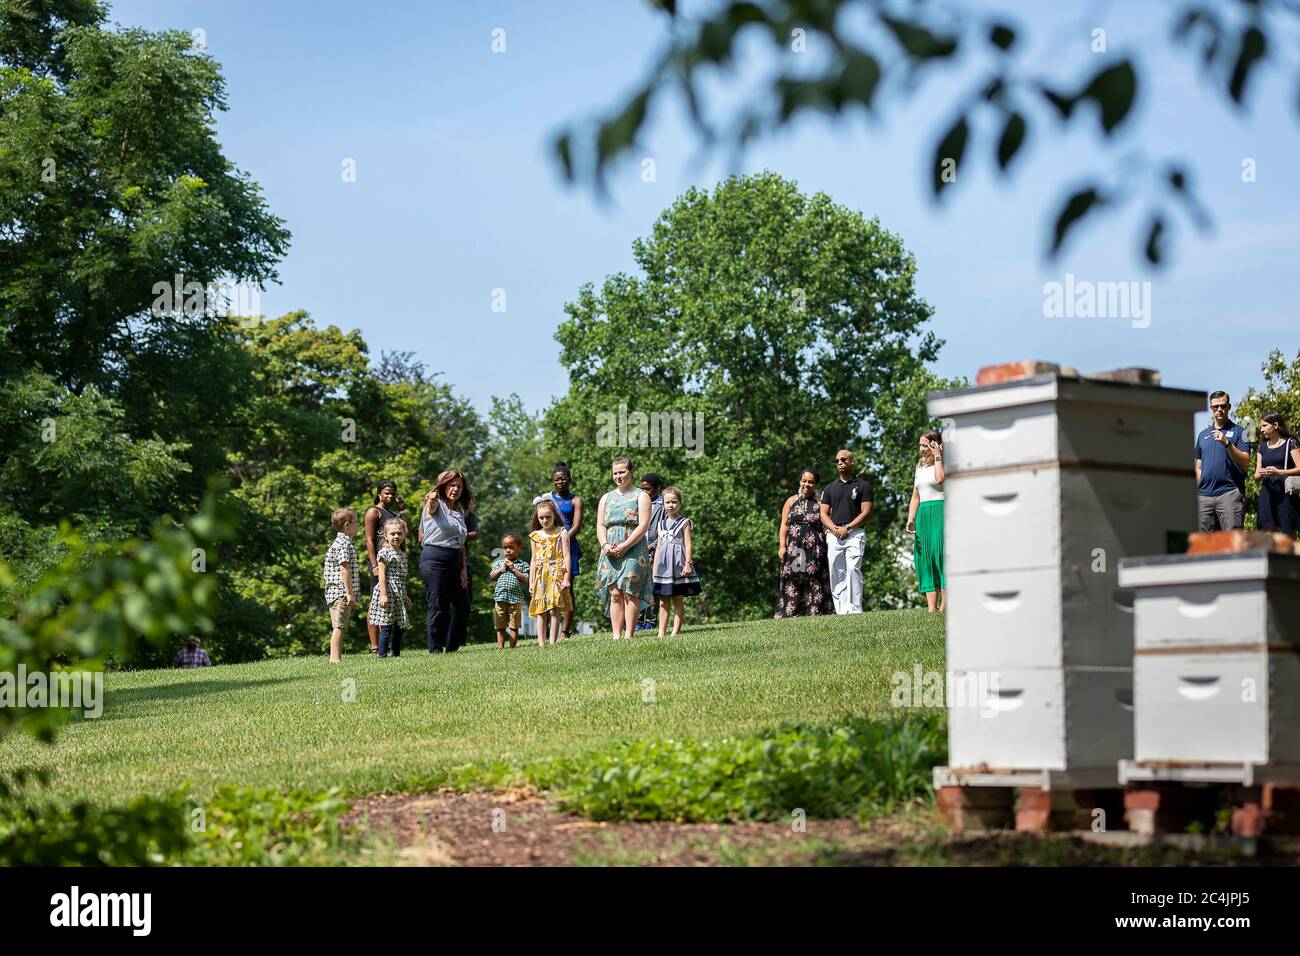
x=1223, y=542
x=1130, y=376
x=1010, y=371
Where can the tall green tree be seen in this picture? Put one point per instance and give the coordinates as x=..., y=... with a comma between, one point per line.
x=111, y=181
x=776, y=328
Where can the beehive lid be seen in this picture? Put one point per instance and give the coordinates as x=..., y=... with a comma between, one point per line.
x=1033, y=382
x=1164, y=569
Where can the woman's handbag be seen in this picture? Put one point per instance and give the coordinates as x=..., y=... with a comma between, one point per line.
x=1292, y=483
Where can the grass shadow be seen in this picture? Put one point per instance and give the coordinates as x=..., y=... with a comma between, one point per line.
x=696, y=629
x=179, y=691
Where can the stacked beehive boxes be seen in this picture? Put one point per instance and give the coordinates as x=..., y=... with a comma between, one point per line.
x=1216, y=666
x=1051, y=479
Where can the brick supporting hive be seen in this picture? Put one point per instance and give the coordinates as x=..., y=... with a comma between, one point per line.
x=1169, y=807
x=1266, y=809
x=975, y=809
x=1040, y=810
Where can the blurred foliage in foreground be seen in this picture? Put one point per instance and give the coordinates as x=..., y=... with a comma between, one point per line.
x=236, y=827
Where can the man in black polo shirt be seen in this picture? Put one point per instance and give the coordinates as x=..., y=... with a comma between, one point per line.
x=846, y=505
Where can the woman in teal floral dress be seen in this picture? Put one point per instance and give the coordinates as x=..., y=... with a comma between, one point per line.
x=623, y=574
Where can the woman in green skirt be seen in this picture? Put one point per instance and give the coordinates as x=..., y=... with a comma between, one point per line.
x=925, y=520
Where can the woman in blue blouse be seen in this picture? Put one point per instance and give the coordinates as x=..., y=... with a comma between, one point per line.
x=443, y=565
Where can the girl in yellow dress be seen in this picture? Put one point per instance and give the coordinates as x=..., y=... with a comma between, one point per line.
x=549, y=571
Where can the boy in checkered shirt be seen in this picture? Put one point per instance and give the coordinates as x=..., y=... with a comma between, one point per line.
x=341, y=577
x=511, y=575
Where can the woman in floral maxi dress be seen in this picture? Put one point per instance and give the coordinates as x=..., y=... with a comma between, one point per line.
x=805, y=583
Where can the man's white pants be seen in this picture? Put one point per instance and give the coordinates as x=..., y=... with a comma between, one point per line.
x=845, y=559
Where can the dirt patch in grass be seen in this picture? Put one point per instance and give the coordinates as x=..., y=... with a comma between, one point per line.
x=521, y=828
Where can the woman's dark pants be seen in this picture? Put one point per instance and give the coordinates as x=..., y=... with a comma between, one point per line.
x=446, y=602
x=390, y=640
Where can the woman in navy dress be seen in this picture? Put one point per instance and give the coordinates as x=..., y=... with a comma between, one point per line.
x=1278, y=459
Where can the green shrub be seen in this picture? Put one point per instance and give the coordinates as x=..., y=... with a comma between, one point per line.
x=463, y=778
x=858, y=767
x=267, y=827
x=235, y=827
x=147, y=831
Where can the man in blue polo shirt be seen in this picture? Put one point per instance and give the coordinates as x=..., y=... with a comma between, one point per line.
x=1222, y=455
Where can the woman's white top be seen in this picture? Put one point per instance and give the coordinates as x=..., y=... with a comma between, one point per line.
x=926, y=486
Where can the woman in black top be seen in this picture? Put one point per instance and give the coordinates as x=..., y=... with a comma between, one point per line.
x=1278, y=458
x=385, y=507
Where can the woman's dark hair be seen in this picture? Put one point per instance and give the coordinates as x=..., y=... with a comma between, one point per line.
x=561, y=466
x=931, y=437
x=1273, y=418
x=379, y=488
x=817, y=479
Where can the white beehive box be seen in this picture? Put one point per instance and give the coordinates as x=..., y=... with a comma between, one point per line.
x=1043, y=718
x=1031, y=561
x=1217, y=661
x=1051, y=480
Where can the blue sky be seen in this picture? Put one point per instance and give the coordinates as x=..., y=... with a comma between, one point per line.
x=456, y=193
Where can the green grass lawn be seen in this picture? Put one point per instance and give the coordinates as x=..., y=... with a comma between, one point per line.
x=285, y=723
